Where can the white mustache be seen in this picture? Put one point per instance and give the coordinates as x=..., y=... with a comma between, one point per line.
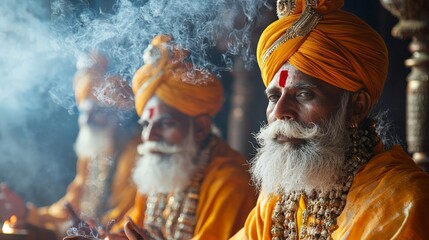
x=289, y=129
x=149, y=147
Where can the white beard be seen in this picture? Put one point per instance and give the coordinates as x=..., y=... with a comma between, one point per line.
x=317, y=164
x=169, y=172
x=93, y=142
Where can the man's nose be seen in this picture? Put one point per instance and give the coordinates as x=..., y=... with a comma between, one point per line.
x=285, y=108
x=151, y=133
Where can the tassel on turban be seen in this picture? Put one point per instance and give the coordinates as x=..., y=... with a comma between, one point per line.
x=175, y=81
x=90, y=82
x=324, y=42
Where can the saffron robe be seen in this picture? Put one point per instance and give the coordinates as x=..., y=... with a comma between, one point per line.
x=388, y=199
x=226, y=197
x=121, y=199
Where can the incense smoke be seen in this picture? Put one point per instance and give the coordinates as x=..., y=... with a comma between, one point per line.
x=41, y=42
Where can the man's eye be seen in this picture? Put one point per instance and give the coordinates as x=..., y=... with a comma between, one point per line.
x=144, y=124
x=304, y=95
x=168, y=123
x=273, y=98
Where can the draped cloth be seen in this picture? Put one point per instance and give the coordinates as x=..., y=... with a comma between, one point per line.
x=341, y=49
x=388, y=199
x=55, y=217
x=91, y=82
x=170, y=76
x=225, y=200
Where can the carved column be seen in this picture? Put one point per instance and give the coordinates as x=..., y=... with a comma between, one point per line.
x=414, y=23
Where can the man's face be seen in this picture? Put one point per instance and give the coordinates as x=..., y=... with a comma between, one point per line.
x=296, y=96
x=97, y=116
x=162, y=123
x=168, y=151
x=304, y=144
x=96, y=129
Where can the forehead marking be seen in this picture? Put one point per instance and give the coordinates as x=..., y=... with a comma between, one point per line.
x=151, y=112
x=283, y=78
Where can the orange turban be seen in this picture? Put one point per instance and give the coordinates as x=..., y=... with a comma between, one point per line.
x=175, y=81
x=327, y=43
x=90, y=82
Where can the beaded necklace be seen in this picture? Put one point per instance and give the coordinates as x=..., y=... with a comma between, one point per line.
x=324, y=207
x=96, y=191
x=173, y=216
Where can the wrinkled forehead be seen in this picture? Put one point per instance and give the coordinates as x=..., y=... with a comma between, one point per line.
x=150, y=112
x=283, y=75
x=152, y=108
x=92, y=107
x=156, y=108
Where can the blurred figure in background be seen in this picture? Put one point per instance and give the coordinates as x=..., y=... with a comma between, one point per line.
x=106, y=145
x=192, y=185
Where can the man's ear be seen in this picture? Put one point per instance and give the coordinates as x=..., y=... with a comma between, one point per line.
x=360, y=106
x=202, y=127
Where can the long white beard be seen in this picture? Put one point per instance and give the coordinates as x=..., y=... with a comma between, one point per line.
x=168, y=172
x=317, y=164
x=93, y=142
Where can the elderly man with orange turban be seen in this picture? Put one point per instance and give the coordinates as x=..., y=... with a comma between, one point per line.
x=191, y=184
x=322, y=170
x=106, y=147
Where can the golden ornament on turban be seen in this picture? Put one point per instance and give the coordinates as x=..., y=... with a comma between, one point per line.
x=171, y=77
x=325, y=42
x=91, y=82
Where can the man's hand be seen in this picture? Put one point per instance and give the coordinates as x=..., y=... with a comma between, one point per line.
x=11, y=204
x=133, y=232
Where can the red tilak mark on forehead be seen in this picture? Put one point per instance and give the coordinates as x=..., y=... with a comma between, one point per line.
x=283, y=77
x=151, y=112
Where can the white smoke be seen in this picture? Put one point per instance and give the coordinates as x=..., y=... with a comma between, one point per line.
x=40, y=42
x=33, y=71
x=126, y=30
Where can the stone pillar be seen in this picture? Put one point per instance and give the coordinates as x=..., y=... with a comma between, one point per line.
x=239, y=120
x=248, y=105
x=248, y=102
x=414, y=23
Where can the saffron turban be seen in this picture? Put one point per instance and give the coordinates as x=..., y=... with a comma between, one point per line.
x=324, y=42
x=91, y=82
x=168, y=75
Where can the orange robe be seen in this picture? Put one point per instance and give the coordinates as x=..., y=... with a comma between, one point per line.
x=226, y=197
x=389, y=199
x=55, y=216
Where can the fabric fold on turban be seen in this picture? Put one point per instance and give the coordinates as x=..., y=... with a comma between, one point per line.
x=341, y=50
x=168, y=75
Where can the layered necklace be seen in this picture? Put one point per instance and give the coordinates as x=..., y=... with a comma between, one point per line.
x=96, y=192
x=173, y=215
x=319, y=218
